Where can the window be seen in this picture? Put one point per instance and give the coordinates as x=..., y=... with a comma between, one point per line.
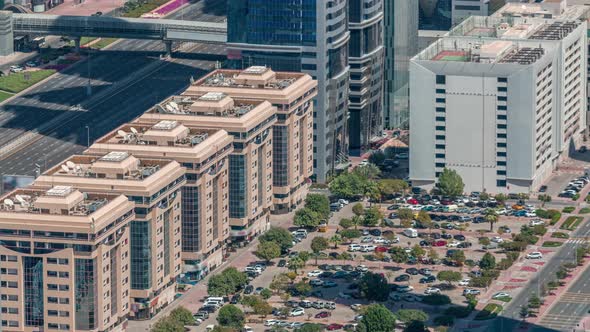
x=440, y=118
x=502, y=89
x=440, y=155
x=440, y=137
x=501, y=163
x=502, y=107
x=440, y=91
x=441, y=79
x=502, y=98
x=501, y=145
x=501, y=154
x=440, y=100
x=441, y=109
x=502, y=117
x=500, y=172
x=502, y=126
x=440, y=146
x=501, y=135
x=441, y=165
x=500, y=183
x=440, y=127
x=502, y=80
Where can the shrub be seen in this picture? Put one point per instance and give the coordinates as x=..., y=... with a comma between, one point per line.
x=571, y=223
x=560, y=235
x=481, y=282
x=584, y=210
x=512, y=255
x=445, y=320
x=551, y=244
x=436, y=299
x=568, y=209
x=490, y=311
x=504, y=298
x=458, y=311
x=504, y=264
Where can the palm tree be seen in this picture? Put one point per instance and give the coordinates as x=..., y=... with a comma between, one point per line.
x=492, y=217
x=336, y=239
x=356, y=220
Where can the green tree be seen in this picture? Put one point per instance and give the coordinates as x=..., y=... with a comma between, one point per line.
x=231, y=316
x=268, y=251
x=405, y=214
x=389, y=187
x=278, y=235
x=306, y=217
x=303, y=287
x=345, y=223
x=348, y=185
x=304, y=256
x=433, y=255
x=368, y=171
x=492, y=217
x=372, y=192
x=544, y=199
x=415, y=326
x=226, y=282
x=296, y=264
x=318, y=203
x=358, y=209
x=487, y=262
x=398, y=255
x=167, y=324
x=266, y=293
x=410, y=315
x=356, y=220
x=280, y=282
x=336, y=240
x=377, y=318
x=374, y=287
x=501, y=198
x=350, y=234
x=534, y=302
x=484, y=196
x=377, y=157
x=418, y=251
x=310, y=327
x=450, y=183
x=449, y=276
x=458, y=256
x=319, y=244
x=424, y=220
x=372, y=217
x=484, y=241
x=182, y=315
x=524, y=312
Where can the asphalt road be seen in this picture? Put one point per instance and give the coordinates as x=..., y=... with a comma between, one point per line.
x=126, y=80
x=509, y=318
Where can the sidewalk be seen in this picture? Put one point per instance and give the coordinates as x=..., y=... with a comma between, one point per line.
x=87, y=8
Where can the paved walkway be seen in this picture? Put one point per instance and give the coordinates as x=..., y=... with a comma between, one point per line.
x=87, y=8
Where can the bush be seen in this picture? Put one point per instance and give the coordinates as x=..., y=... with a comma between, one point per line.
x=512, y=255
x=504, y=264
x=560, y=235
x=576, y=197
x=491, y=310
x=584, y=210
x=445, y=320
x=568, y=209
x=481, y=282
x=571, y=223
x=436, y=299
x=552, y=244
x=458, y=311
x=504, y=298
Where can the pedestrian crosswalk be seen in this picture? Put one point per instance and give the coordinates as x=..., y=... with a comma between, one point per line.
x=578, y=241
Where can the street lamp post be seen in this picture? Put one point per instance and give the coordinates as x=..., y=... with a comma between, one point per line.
x=89, y=86
x=87, y=136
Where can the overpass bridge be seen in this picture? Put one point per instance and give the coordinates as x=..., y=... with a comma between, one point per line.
x=106, y=26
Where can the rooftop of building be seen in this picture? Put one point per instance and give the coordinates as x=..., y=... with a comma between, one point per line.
x=117, y=165
x=166, y=133
x=59, y=200
x=255, y=77
x=214, y=104
x=514, y=29
x=498, y=51
x=557, y=9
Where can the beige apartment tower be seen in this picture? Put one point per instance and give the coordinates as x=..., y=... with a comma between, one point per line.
x=204, y=199
x=292, y=94
x=250, y=122
x=65, y=260
x=154, y=185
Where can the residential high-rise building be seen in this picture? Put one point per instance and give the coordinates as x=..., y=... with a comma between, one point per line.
x=307, y=36
x=366, y=55
x=65, y=260
x=292, y=94
x=205, y=203
x=250, y=165
x=463, y=9
x=154, y=234
x=401, y=44
x=515, y=89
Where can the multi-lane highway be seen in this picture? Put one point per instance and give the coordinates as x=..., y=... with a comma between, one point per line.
x=126, y=80
x=511, y=313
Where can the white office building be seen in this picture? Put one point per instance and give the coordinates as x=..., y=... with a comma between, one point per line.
x=492, y=109
x=462, y=9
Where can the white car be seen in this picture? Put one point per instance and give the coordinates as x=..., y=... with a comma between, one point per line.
x=502, y=212
x=367, y=239
x=362, y=268
x=497, y=239
x=536, y=222
x=405, y=289
x=534, y=255
x=432, y=290
x=453, y=244
x=530, y=214
x=379, y=240
x=297, y=312
x=500, y=295
x=316, y=282
x=354, y=247
x=16, y=69
x=395, y=239
x=364, y=162
x=314, y=273
x=464, y=282
x=356, y=307
x=367, y=248
x=343, y=201
x=416, y=207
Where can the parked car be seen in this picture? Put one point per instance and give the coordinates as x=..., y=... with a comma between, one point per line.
x=464, y=282
x=297, y=312
x=427, y=279
x=534, y=255
x=412, y=270
x=468, y=291
x=432, y=290
x=403, y=277
x=314, y=273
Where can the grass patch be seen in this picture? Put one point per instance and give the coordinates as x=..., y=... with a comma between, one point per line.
x=5, y=95
x=584, y=210
x=551, y=244
x=104, y=42
x=504, y=299
x=135, y=10
x=560, y=235
x=16, y=82
x=571, y=223
x=491, y=310
x=568, y=209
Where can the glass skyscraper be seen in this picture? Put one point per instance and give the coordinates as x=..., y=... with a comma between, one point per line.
x=366, y=73
x=401, y=44
x=308, y=36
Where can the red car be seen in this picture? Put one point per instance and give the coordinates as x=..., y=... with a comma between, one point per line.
x=412, y=201
x=381, y=249
x=323, y=314
x=334, y=327
x=439, y=243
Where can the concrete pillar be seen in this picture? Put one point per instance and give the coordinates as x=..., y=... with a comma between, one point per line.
x=168, y=44
x=77, y=42
x=6, y=33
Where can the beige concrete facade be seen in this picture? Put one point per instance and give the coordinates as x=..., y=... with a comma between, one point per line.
x=204, y=155
x=154, y=185
x=292, y=94
x=65, y=260
x=250, y=122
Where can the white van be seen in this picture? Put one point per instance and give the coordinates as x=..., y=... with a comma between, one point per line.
x=354, y=247
x=367, y=248
x=410, y=232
